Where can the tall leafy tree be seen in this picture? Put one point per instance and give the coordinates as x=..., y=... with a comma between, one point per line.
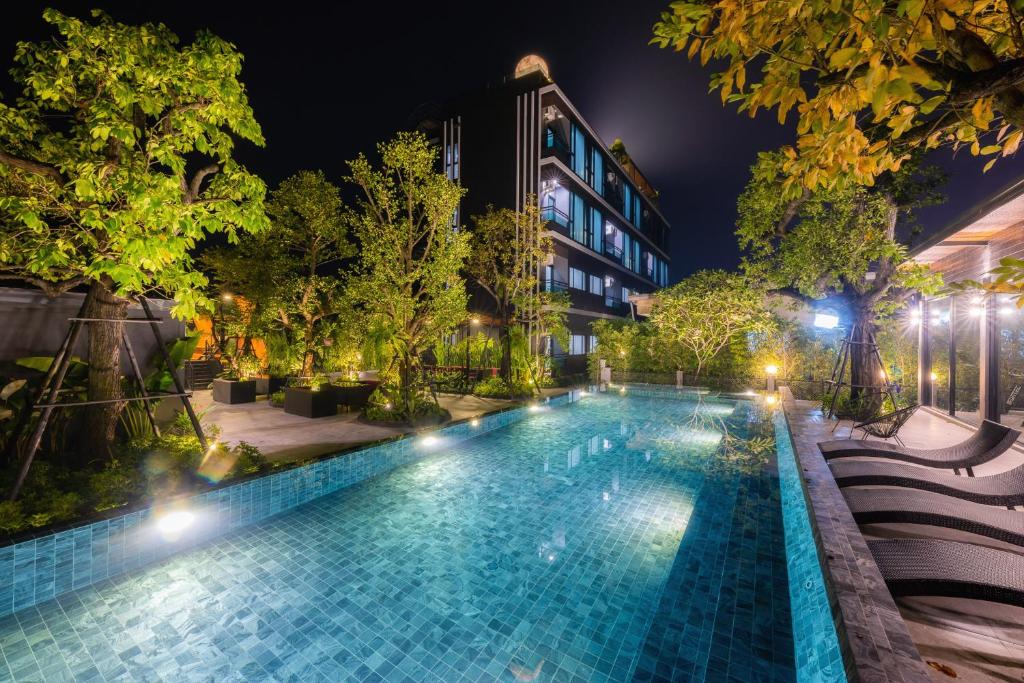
x=700, y=316
x=410, y=257
x=507, y=250
x=115, y=161
x=840, y=243
x=291, y=272
x=870, y=80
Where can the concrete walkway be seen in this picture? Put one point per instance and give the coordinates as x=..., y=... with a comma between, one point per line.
x=281, y=436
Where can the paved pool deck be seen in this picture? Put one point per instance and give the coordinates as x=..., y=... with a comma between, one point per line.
x=980, y=641
x=281, y=436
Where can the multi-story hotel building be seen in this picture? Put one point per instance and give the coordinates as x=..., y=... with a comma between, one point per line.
x=525, y=138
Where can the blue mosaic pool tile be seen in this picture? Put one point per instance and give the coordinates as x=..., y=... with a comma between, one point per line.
x=607, y=542
x=817, y=650
x=34, y=571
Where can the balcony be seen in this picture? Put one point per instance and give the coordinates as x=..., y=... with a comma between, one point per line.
x=555, y=146
x=613, y=251
x=552, y=285
x=554, y=215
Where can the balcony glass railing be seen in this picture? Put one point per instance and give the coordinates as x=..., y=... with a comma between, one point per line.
x=554, y=145
x=552, y=285
x=554, y=214
x=613, y=251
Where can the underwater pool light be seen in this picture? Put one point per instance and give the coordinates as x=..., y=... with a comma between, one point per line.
x=172, y=524
x=474, y=422
x=429, y=441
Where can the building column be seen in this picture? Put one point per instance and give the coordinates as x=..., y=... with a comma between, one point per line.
x=954, y=317
x=924, y=357
x=989, y=361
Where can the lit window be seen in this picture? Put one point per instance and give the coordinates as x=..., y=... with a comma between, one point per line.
x=596, y=285
x=577, y=345
x=577, y=279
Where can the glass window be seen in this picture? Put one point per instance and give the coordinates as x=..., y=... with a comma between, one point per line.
x=596, y=285
x=938, y=340
x=1010, y=328
x=578, y=219
x=597, y=166
x=593, y=343
x=627, y=203
x=577, y=279
x=579, y=152
x=627, y=250
x=577, y=345
x=968, y=313
x=596, y=231
x=636, y=210
x=613, y=241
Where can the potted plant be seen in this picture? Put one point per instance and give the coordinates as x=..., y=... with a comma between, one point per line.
x=234, y=386
x=318, y=399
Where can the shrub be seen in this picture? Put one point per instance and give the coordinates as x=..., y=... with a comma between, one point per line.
x=496, y=387
x=277, y=399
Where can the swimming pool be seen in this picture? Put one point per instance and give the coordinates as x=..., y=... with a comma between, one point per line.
x=627, y=536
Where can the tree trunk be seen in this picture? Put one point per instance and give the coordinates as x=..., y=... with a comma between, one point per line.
x=865, y=372
x=505, y=337
x=99, y=426
x=307, y=357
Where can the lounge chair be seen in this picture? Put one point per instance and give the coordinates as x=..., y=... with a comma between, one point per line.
x=950, y=569
x=1005, y=488
x=988, y=442
x=886, y=426
x=884, y=506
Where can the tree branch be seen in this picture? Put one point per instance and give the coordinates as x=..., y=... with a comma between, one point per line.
x=32, y=167
x=196, y=186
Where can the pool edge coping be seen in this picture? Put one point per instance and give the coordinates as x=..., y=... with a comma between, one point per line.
x=874, y=640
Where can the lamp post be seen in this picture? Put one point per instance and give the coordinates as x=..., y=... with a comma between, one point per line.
x=469, y=335
x=770, y=371
x=222, y=342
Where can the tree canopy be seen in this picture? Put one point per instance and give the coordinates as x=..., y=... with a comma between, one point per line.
x=699, y=316
x=116, y=160
x=834, y=242
x=870, y=80
x=508, y=247
x=410, y=257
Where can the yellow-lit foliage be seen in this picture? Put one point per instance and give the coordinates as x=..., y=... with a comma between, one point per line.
x=869, y=80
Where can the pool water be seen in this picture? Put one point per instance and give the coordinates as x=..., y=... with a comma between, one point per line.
x=635, y=537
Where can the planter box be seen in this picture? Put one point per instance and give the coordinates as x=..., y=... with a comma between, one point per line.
x=308, y=403
x=267, y=385
x=234, y=390
x=355, y=396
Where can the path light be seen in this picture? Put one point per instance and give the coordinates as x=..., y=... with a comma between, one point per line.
x=770, y=400
x=387, y=406
x=226, y=297
x=934, y=377
x=770, y=370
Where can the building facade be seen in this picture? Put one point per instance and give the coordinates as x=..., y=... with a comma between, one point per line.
x=523, y=139
x=971, y=343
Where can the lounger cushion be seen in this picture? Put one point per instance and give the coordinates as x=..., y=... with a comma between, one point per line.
x=907, y=506
x=951, y=569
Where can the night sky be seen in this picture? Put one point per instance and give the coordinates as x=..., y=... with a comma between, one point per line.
x=326, y=84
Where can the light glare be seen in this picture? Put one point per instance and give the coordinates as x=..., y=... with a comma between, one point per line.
x=826, y=321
